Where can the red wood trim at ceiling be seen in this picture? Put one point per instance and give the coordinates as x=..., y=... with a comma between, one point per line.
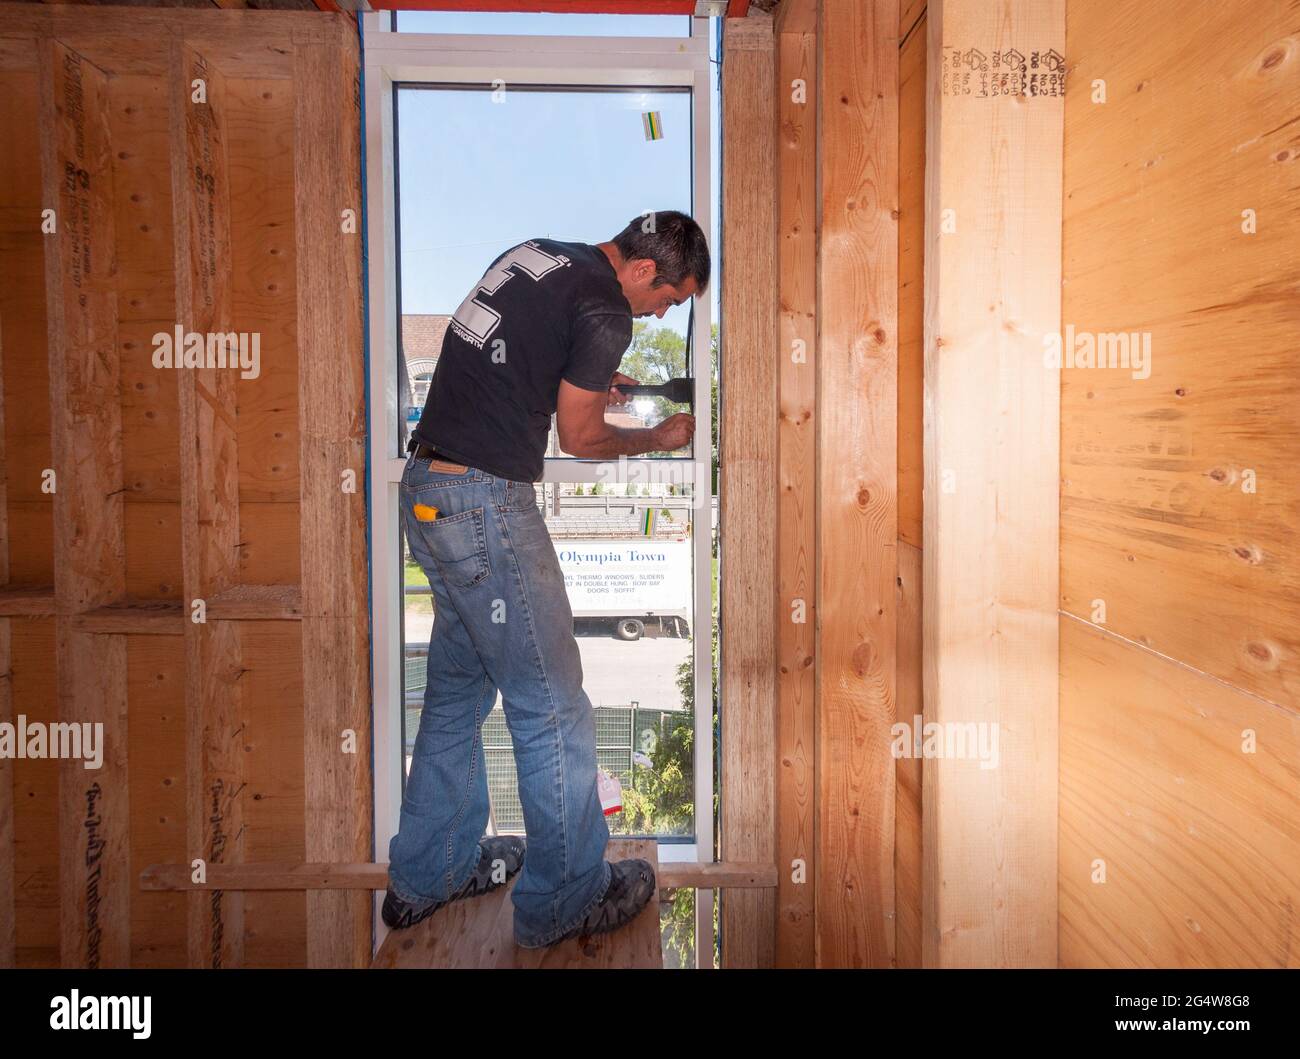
x=735, y=8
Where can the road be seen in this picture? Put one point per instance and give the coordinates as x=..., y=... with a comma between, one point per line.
x=615, y=672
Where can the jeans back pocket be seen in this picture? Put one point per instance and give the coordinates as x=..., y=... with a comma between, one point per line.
x=458, y=545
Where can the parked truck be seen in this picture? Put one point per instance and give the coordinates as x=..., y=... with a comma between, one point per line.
x=631, y=584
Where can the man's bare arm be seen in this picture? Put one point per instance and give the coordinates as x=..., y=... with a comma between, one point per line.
x=580, y=421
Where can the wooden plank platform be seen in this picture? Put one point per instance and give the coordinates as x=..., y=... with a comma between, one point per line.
x=479, y=932
x=321, y=875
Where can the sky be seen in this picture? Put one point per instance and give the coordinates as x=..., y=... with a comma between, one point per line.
x=477, y=176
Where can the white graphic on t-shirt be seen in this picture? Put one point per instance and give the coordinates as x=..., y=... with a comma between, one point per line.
x=474, y=321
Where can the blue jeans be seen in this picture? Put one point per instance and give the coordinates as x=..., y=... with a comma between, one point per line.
x=502, y=622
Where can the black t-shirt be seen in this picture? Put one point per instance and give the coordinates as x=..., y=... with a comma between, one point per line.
x=544, y=311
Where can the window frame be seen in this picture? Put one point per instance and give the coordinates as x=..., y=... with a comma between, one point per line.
x=390, y=59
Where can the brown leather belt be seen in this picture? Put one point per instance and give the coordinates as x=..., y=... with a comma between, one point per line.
x=424, y=452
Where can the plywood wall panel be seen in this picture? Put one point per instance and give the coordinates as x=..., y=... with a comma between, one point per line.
x=36, y=798
x=23, y=334
x=269, y=543
x=275, y=802
x=1180, y=472
x=156, y=752
x=1179, y=493
x=1180, y=844
x=153, y=549
x=261, y=124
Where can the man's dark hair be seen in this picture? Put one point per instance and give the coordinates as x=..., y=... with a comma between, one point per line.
x=673, y=241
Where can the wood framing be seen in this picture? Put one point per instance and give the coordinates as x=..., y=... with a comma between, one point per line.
x=796, y=192
x=89, y=558
x=335, y=642
x=911, y=417
x=271, y=875
x=992, y=294
x=197, y=166
x=749, y=473
x=857, y=517
x=209, y=478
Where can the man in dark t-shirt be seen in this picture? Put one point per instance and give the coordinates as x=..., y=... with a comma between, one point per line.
x=546, y=319
x=542, y=332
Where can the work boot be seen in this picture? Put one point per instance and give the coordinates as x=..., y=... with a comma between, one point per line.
x=631, y=885
x=399, y=913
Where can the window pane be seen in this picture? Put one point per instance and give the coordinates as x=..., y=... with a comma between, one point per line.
x=480, y=171
x=542, y=24
x=626, y=553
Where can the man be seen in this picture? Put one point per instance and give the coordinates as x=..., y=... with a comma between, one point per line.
x=543, y=332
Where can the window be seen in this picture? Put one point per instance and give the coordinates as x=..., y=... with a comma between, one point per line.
x=475, y=143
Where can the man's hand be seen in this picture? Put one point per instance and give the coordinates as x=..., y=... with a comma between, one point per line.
x=675, y=432
x=618, y=396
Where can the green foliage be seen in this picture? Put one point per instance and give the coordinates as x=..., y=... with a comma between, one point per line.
x=662, y=800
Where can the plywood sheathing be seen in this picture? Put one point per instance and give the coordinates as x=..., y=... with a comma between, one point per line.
x=1180, y=565
x=29, y=869
x=992, y=292
x=749, y=475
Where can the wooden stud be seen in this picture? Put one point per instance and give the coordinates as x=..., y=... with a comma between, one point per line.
x=749, y=469
x=85, y=404
x=796, y=189
x=908, y=824
x=89, y=547
x=796, y=17
x=992, y=294
x=911, y=372
x=857, y=481
x=209, y=499
x=327, y=168
x=911, y=262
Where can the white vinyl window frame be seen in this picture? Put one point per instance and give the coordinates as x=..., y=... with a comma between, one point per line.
x=390, y=59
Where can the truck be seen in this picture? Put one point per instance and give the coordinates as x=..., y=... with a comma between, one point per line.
x=629, y=583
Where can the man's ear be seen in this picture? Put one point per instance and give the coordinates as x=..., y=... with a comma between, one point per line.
x=643, y=270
